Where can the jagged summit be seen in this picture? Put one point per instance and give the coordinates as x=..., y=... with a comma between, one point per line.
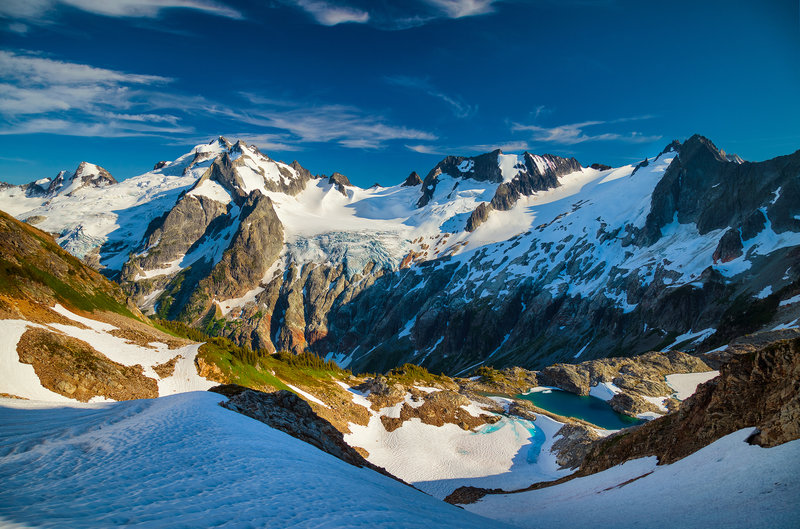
x=66, y=183
x=516, y=175
x=488, y=251
x=412, y=180
x=698, y=145
x=340, y=181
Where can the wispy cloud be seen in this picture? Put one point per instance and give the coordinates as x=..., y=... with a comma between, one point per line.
x=573, y=133
x=31, y=72
x=390, y=15
x=508, y=146
x=424, y=149
x=40, y=94
x=38, y=10
x=459, y=108
x=107, y=129
x=345, y=125
x=44, y=95
x=512, y=146
x=462, y=8
x=18, y=28
x=329, y=14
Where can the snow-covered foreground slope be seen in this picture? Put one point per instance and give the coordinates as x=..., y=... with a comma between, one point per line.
x=184, y=461
x=726, y=484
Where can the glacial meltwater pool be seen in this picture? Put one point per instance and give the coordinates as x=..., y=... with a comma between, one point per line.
x=591, y=409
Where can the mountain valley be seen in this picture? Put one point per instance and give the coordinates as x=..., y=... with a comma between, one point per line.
x=319, y=313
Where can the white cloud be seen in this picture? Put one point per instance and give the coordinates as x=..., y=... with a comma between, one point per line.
x=424, y=149
x=104, y=129
x=18, y=27
x=44, y=9
x=507, y=147
x=37, y=85
x=31, y=69
x=328, y=14
x=390, y=15
x=573, y=133
x=346, y=125
x=463, y=8
x=44, y=95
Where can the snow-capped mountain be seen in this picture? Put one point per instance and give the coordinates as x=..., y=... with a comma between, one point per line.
x=70, y=335
x=499, y=258
x=87, y=175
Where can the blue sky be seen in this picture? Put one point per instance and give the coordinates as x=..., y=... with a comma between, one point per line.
x=378, y=88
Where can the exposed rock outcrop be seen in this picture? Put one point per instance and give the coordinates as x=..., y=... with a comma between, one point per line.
x=637, y=376
x=74, y=369
x=285, y=411
x=340, y=181
x=760, y=389
x=412, y=180
x=729, y=247
x=439, y=408
x=704, y=185
x=572, y=443
x=643, y=374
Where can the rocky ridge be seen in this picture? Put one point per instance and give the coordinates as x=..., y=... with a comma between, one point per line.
x=579, y=279
x=757, y=389
x=285, y=411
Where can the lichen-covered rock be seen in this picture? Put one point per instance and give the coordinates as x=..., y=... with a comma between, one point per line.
x=631, y=404
x=636, y=376
x=643, y=374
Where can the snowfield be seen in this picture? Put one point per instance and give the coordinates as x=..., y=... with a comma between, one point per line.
x=685, y=384
x=509, y=454
x=19, y=379
x=184, y=461
x=726, y=484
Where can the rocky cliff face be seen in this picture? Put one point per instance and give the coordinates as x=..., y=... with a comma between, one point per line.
x=759, y=389
x=516, y=176
x=643, y=374
x=687, y=250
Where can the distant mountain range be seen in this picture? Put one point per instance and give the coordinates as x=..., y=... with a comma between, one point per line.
x=497, y=259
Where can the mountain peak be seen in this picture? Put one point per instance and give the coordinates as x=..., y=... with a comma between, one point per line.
x=412, y=180
x=86, y=175
x=340, y=181
x=699, y=145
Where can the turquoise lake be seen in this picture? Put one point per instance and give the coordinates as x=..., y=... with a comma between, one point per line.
x=590, y=409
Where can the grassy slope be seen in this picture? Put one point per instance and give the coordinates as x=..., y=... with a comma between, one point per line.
x=34, y=268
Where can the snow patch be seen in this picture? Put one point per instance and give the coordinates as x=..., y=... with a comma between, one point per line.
x=790, y=301
x=685, y=384
x=604, y=391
